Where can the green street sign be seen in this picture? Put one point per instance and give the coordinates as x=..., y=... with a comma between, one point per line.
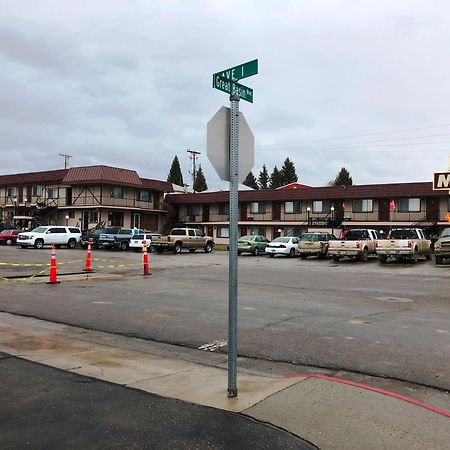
x=242, y=71
x=226, y=85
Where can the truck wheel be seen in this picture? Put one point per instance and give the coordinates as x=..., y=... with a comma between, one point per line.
x=208, y=247
x=72, y=243
x=256, y=251
x=177, y=248
x=38, y=243
x=291, y=252
x=364, y=255
x=123, y=245
x=438, y=259
x=336, y=258
x=383, y=259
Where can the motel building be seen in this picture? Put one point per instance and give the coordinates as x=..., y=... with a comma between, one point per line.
x=295, y=209
x=86, y=197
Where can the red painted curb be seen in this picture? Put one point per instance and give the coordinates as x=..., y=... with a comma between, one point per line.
x=377, y=390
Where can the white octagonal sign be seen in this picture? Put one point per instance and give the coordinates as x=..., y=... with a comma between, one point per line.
x=218, y=145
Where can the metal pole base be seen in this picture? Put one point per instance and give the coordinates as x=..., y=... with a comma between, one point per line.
x=232, y=393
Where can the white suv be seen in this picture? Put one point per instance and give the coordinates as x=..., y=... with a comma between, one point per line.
x=49, y=235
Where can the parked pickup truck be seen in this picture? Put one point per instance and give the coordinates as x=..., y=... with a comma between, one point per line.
x=356, y=243
x=442, y=246
x=404, y=243
x=117, y=237
x=179, y=238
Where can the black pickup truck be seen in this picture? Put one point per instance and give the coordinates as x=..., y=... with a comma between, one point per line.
x=117, y=237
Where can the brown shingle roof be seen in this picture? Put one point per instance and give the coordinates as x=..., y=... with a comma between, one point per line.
x=102, y=174
x=157, y=185
x=49, y=176
x=313, y=193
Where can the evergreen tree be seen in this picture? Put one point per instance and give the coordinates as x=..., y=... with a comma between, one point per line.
x=200, y=181
x=263, y=179
x=175, y=176
x=288, y=174
x=276, y=179
x=343, y=178
x=250, y=181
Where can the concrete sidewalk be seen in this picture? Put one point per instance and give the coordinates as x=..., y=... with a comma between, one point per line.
x=321, y=410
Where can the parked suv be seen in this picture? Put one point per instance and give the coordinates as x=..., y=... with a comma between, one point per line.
x=48, y=235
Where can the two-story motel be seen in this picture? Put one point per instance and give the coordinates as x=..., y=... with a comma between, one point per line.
x=275, y=212
x=101, y=196
x=86, y=197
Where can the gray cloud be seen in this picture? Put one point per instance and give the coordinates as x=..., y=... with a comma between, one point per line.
x=129, y=84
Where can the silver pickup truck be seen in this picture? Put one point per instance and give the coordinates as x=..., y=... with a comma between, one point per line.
x=357, y=243
x=404, y=243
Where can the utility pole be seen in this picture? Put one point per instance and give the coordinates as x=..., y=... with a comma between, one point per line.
x=66, y=159
x=193, y=156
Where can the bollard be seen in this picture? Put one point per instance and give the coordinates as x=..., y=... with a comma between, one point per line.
x=146, y=265
x=53, y=279
x=88, y=266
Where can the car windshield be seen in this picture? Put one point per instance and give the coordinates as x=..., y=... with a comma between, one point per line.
x=247, y=238
x=110, y=231
x=281, y=239
x=310, y=237
x=98, y=232
x=446, y=233
x=4, y=232
x=40, y=230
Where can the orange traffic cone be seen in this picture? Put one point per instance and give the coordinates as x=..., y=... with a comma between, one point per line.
x=146, y=265
x=53, y=279
x=88, y=267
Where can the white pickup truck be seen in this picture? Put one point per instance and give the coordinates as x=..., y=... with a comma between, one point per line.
x=404, y=243
x=356, y=243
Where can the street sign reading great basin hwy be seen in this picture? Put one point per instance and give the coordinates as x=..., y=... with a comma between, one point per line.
x=226, y=85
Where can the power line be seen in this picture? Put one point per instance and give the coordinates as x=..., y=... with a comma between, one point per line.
x=361, y=135
x=66, y=159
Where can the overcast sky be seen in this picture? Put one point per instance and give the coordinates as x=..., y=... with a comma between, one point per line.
x=360, y=84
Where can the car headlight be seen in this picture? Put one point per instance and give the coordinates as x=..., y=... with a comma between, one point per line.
x=437, y=245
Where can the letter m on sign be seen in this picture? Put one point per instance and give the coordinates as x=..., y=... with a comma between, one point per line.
x=441, y=181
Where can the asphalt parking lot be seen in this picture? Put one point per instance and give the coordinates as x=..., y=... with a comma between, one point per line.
x=383, y=320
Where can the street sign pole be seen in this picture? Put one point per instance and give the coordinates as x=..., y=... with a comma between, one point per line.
x=233, y=251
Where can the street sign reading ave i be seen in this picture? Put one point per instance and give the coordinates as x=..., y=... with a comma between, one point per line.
x=242, y=71
x=226, y=85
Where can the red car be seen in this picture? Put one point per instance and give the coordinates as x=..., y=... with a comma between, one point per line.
x=9, y=237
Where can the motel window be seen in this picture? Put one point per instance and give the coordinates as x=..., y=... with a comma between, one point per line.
x=223, y=232
x=144, y=196
x=37, y=190
x=321, y=206
x=117, y=192
x=93, y=216
x=12, y=192
x=257, y=230
x=193, y=210
x=52, y=192
x=224, y=208
x=292, y=231
x=292, y=207
x=257, y=207
x=362, y=205
x=408, y=205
